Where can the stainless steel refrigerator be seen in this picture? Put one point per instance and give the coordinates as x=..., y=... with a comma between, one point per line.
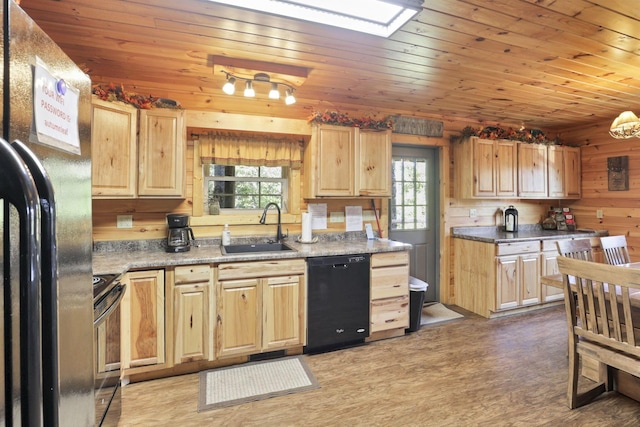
x=46, y=301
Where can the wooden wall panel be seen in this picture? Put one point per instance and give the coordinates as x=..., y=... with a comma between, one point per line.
x=621, y=209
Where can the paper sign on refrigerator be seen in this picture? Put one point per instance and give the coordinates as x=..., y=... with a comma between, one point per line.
x=55, y=110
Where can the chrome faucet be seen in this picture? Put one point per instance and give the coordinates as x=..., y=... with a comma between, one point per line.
x=279, y=235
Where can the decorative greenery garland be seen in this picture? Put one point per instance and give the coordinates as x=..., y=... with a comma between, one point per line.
x=343, y=119
x=523, y=135
x=114, y=92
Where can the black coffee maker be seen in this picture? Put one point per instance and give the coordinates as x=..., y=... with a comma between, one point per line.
x=180, y=234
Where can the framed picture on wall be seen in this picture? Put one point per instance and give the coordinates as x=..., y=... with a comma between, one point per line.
x=618, y=173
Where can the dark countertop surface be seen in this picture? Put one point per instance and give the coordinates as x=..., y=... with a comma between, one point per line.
x=525, y=233
x=119, y=261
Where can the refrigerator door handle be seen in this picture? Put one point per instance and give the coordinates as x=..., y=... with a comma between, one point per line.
x=18, y=188
x=49, y=282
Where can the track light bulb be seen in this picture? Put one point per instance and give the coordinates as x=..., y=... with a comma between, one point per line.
x=248, y=90
x=289, y=98
x=274, y=93
x=230, y=86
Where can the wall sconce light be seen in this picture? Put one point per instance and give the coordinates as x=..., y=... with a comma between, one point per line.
x=249, y=91
x=626, y=125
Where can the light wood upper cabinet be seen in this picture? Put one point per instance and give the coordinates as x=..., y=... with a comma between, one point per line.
x=564, y=172
x=114, y=149
x=485, y=168
x=127, y=166
x=143, y=320
x=506, y=162
x=505, y=169
x=329, y=160
x=572, y=173
x=343, y=161
x=532, y=171
x=162, y=146
x=373, y=154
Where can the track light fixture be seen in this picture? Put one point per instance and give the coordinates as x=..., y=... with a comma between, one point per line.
x=249, y=91
x=230, y=86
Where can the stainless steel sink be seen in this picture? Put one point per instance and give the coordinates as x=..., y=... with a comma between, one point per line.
x=255, y=247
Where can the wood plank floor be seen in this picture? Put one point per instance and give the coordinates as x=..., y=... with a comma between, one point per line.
x=470, y=372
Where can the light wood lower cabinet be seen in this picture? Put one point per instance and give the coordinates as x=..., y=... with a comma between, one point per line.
x=549, y=266
x=283, y=309
x=389, y=292
x=518, y=279
x=239, y=313
x=143, y=321
x=192, y=313
x=260, y=306
x=491, y=279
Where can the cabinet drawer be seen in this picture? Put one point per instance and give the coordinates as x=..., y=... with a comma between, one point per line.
x=550, y=245
x=389, y=282
x=390, y=313
x=517, y=247
x=389, y=258
x=240, y=270
x=192, y=274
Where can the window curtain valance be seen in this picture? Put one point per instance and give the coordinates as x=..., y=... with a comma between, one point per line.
x=233, y=148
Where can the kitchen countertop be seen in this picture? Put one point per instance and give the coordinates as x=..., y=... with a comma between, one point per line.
x=524, y=233
x=121, y=261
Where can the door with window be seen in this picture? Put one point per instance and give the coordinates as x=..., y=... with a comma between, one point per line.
x=413, y=211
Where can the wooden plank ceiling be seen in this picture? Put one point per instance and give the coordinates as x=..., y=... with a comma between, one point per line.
x=537, y=63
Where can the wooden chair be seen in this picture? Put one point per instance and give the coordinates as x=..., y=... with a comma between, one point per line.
x=576, y=249
x=615, y=250
x=605, y=329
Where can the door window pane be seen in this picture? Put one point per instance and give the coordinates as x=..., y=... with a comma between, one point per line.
x=409, y=199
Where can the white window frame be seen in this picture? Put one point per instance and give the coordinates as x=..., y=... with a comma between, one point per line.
x=284, y=195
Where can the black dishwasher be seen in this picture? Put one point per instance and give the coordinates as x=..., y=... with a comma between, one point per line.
x=337, y=301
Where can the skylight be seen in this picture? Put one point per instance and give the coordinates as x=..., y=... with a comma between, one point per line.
x=377, y=17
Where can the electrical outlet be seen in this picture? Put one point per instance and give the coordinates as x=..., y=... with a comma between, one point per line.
x=599, y=214
x=124, y=221
x=473, y=213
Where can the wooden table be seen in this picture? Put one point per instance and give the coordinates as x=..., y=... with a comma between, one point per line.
x=626, y=383
x=556, y=281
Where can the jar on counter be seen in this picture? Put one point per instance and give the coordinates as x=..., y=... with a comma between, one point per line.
x=549, y=222
x=214, y=207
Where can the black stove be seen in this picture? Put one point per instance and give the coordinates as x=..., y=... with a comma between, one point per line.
x=102, y=284
x=107, y=294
